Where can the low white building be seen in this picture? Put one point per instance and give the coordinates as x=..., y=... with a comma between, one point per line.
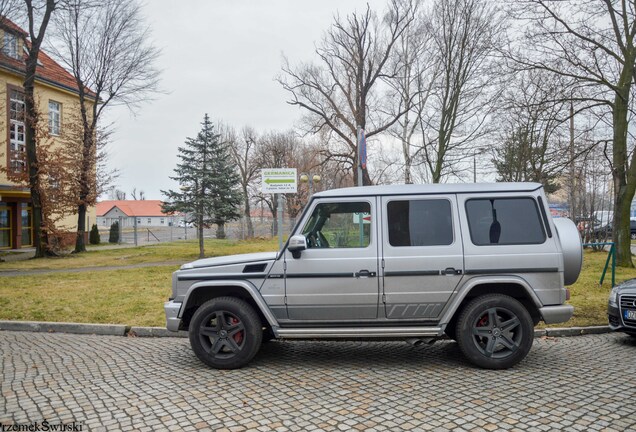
x=147, y=213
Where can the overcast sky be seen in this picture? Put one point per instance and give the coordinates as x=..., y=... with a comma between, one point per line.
x=218, y=57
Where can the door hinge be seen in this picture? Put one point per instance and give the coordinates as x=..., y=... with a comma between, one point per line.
x=383, y=298
x=285, y=300
x=382, y=262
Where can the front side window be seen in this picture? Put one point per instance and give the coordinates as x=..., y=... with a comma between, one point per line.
x=420, y=223
x=55, y=109
x=504, y=221
x=339, y=225
x=17, y=147
x=10, y=46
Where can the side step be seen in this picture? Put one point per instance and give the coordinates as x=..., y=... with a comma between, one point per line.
x=358, y=332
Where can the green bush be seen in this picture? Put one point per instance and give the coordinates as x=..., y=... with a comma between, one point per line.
x=114, y=233
x=93, y=237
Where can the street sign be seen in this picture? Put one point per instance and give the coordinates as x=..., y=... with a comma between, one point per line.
x=366, y=218
x=278, y=180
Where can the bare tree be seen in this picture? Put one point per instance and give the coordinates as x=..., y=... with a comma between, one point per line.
x=116, y=194
x=464, y=36
x=106, y=47
x=242, y=149
x=36, y=34
x=341, y=91
x=591, y=43
x=533, y=141
x=412, y=84
x=137, y=195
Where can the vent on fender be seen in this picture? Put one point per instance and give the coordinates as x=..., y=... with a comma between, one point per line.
x=254, y=268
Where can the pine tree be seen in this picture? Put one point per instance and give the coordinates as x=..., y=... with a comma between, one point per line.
x=208, y=183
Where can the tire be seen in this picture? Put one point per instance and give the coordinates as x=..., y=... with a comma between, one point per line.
x=225, y=333
x=495, y=331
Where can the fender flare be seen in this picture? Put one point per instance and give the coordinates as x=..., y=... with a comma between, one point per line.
x=467, y=287
x=245, y=285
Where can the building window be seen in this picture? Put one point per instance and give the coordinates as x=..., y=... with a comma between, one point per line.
x=27, y=225
x=17, y=154
x=55, y=109
x=149, y=221
x=162, y=221
x=10, y=46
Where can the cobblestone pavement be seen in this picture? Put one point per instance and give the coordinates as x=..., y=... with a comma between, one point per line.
x=105, y=383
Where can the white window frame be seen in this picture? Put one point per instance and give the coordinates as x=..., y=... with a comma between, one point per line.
x=17, y=132
x=55, y=117
x=10, y=45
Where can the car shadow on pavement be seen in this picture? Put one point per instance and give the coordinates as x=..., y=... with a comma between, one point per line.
x=360, y=354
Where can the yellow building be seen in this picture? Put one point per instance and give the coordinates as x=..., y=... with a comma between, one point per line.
x=56, y=94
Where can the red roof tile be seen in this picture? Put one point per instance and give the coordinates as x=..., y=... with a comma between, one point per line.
x=48, y=69
x=131, y=207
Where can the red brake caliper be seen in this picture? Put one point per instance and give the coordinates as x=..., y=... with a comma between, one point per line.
x=483, y=321
x=238, y=337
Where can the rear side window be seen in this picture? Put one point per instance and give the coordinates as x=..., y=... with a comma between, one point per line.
x=504, y=221
x=420, y=223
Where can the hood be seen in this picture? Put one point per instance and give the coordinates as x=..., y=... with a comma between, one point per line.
x=231, y=259
x=627, y=287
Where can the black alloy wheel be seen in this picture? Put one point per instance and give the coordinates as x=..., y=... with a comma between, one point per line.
x=225, y=333
x=495, y=331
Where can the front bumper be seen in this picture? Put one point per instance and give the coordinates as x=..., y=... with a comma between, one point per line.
x=556, y=314
x=616, y=322
x=172, y=315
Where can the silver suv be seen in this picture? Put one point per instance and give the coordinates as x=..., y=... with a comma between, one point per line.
x=481, y=263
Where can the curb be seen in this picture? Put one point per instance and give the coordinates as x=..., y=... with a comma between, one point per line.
x=123, y=330
x=62, y=327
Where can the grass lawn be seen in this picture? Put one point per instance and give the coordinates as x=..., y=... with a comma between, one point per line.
x=136, y=296
x=176, y=251
x=133, y=297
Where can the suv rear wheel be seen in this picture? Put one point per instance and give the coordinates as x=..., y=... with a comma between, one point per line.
x=495, y=331
x=225, y=333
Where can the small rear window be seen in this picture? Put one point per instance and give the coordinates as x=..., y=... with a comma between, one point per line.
x=504, y=221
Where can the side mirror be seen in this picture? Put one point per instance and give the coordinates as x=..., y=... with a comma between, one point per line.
x=297, y=244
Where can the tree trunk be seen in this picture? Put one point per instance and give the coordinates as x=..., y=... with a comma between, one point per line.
x=248, y=215
x=220, y=230
x=80, y=245
x=200, y=235
x=624, y=184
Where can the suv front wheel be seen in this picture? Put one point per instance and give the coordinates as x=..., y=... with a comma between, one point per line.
x=225, y=333
x=495, y=331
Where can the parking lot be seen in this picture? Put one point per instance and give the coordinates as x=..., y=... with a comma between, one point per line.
x=110, y=383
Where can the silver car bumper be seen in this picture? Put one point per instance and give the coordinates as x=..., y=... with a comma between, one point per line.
x=172, y=315
x=556, y=314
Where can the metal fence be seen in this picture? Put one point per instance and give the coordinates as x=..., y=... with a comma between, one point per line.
x=235, y=230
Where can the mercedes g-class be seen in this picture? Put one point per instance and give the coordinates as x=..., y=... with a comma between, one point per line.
x=479, y=263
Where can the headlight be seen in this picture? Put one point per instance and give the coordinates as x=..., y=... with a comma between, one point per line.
x=613, y=297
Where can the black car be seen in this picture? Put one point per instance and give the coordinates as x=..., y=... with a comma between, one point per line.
x=621, y=308
x=605, y=231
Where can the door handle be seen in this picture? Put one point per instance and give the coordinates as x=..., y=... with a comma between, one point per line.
x=450, y=271
x=364, y=274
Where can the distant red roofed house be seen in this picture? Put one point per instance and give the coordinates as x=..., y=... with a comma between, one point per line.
x=147, y=213
x=56, y=94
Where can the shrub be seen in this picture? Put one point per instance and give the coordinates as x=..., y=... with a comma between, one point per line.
x=93, y=237
x=114, y=233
